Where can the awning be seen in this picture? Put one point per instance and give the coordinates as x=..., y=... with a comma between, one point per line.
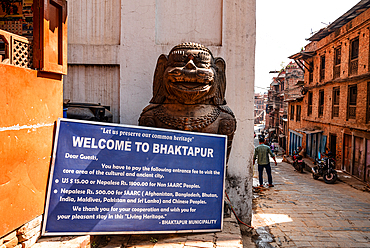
x=310, y=131
x=298, y=99
x=303, y=55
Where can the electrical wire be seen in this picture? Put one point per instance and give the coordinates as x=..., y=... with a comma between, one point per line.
x=236, y=215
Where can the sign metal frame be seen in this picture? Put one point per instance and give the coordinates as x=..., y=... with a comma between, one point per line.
x=45, y=232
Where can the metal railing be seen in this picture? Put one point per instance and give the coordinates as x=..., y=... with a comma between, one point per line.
x=18, y=50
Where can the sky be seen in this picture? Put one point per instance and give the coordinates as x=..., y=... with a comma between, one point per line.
x=283, y=27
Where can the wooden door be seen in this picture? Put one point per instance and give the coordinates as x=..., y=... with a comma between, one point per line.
x=333, y=144
x=358, y=160
x=347, y=153
x=314, y=146
x=367, y=161
x=308, y=145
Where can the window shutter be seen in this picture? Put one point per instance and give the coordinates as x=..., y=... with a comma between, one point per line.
x=50, y=35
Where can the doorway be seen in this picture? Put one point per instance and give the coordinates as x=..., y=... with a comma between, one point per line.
x=333, y=144
x=347, y=153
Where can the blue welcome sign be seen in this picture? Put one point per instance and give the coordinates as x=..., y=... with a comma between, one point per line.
x=117, y=179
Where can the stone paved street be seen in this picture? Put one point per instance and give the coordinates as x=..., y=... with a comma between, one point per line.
x=302, y=212
x=230, y=237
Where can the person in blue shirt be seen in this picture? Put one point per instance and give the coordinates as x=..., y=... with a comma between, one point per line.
x=262, y=153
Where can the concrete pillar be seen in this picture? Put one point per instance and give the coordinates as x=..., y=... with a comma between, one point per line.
x=145, y=30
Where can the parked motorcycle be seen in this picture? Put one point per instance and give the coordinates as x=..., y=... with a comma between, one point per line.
x=298, y=162
x=325, y=168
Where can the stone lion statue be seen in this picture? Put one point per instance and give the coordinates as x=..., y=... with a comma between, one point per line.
x=189, y=93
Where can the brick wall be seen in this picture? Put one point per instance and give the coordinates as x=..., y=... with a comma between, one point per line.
x=338, y=126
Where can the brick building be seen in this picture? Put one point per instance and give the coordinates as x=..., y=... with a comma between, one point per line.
x=284, y=88
x=334, y=112
x=275, y=108
x=260, y=101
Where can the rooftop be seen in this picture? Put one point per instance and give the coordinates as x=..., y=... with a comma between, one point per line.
x=341, y=21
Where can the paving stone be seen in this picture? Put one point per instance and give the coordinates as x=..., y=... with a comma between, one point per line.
x=168, y=245
x=322, y=215
x=30, y=241
x=65, y=241
x=202, y=237
x=31, y=233
x=326, y=244
x=36, y=222
x=229, y=243
x=302, y=244
x=198, y=243
x=302, y=238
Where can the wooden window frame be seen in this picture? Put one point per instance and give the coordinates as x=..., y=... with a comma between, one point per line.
x=292, y=112
x=353, y=57
x=320, y=111
x=310, y=72
x=322, y=68
x=337, y=62
x=298, y=113
x=50, y=32
x=335, y=102
x=309, y=103
x=352, y=102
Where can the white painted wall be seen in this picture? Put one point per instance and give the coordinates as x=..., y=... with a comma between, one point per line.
x=131, y=35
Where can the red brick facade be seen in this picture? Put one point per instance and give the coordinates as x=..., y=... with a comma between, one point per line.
x=283, y=88
x=335, y=111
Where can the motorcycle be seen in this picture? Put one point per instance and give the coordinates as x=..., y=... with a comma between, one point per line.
x=298, y=162
x=325, y=168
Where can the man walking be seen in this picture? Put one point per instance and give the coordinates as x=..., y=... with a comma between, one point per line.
x=261, y=152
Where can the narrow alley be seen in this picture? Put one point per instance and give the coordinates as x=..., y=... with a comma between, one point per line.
x=302, y=212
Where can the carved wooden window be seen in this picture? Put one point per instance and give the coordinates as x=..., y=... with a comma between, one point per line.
x=298, y=113
x=309, y=104
x=337, y=61
x=336, y=95
x=310, y=73
x=352, y=101
x=50, y=32
x=354, y=52
x=292, y=112
x=322, y=68
x=321, y=103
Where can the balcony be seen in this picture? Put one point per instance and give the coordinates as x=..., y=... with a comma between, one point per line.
x=16, y=50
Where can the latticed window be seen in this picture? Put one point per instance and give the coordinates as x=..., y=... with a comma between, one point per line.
x=321, y=103
x=298, y=113
x=337, y=61
x=322, y=68
x=353, y=63
x=336, y=94
x=310, y=75
x=352, y=100
x=292, y=113
x=309, y=107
